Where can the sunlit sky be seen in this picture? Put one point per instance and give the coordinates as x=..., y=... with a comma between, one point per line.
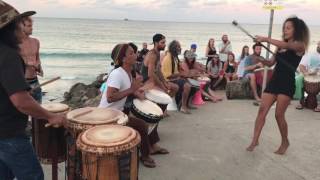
x=224, y=11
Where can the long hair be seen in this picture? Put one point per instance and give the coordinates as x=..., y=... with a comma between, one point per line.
x=218, y=62
x=244, y=53
x=173, y=49
x=135, y=50
x=8, y=35
x=230, y=53
x=118, y=54
x=210, y=48
x=301, y=30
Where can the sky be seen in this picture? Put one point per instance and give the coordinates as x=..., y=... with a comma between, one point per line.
x=217, y=11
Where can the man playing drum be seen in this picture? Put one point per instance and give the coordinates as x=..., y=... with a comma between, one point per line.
x=17, y=158
x=151, y=68
x=120, y=85
x=310, y=64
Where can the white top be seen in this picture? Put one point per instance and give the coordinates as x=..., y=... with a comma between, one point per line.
x=311, y=61
x=224, y=55
x=120, y=80
x=240, y=70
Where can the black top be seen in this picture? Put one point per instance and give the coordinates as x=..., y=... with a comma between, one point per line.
x=12, y=122
x=283, y=77
x=211, y=52
x=230, y=68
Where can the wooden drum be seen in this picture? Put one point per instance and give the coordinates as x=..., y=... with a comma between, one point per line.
x=50, y=142
x=312, y=87
x=82, y=119
x=109, y=152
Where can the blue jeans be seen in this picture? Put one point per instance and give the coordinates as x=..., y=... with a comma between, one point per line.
x=18, y=159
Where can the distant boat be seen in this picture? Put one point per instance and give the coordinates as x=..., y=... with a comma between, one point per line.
x=126, y=19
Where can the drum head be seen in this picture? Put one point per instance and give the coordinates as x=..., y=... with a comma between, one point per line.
x=147, y=107
x=158, y=96
x=108, y=139
x=203, y=78
x=194, y=82
x=96, y=116
x=312, y=78
x=55, y=107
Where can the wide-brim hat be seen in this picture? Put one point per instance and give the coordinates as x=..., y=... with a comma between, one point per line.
x=9, y=14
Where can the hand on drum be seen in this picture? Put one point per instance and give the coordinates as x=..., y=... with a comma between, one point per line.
x=136, y=84
x=140, y=94
x=57, y=120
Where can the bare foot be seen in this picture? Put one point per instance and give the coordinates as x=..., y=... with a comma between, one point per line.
x=252, y=146
x=214, y=100
x=283, y=148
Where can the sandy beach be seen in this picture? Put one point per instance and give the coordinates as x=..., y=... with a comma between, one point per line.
x=210, y=145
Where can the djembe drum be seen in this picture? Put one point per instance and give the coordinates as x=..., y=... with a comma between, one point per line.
x=104, y=150
x=50, y=142
x=82, y=119
x=148, y=111
x=159, y=97
x=312, y=87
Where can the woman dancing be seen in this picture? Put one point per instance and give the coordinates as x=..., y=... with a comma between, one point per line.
x=281, y=87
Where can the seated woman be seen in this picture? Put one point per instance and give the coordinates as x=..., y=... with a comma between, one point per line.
x=170, y=70
x=194, y=69
x=244, y=54
x=215, y=71
x=230, y=68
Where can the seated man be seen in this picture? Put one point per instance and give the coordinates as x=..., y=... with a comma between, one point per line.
x=170, y=70
x=249, y=66
x=309, y=63
x=120, y=85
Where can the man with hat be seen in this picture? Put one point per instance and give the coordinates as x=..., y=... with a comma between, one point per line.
x=17, y=158
x=193, y=48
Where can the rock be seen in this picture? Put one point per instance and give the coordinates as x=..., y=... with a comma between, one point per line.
x=81, y=95
x=239, y=89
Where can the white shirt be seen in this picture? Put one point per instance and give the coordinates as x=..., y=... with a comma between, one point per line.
x=224, y=55
x=120, y=80
x=311, y=61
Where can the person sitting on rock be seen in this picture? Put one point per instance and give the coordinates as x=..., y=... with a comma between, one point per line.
x=249, y=66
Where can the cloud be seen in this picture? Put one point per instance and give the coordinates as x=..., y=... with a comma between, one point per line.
x=170, y=10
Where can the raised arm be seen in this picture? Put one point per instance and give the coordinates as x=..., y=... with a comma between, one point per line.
x=298, y=47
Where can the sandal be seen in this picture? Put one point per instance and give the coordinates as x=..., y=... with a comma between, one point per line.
x=300, y=107
x=256, y=103
x=317, y=109
x=184, y=111
x=160, y=151
x=149, y=163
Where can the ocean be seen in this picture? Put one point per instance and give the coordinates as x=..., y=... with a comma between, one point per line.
x=79, y=49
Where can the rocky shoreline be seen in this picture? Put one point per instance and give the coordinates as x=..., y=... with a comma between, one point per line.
x=83, y=95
